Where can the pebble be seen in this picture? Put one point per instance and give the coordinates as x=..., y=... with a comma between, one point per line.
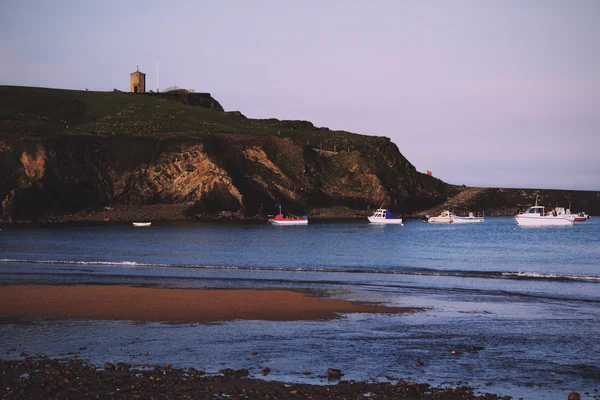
x=109, y=367
x=75, y=379
x=334, y=373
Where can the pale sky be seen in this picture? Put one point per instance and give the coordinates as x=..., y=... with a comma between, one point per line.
x=484, y=93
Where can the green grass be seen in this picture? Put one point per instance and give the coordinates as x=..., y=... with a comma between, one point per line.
x=43, y=111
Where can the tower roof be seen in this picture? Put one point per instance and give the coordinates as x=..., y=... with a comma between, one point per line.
x=137, y=71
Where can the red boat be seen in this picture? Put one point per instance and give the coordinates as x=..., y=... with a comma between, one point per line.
x=281, y=220
x=581, y=217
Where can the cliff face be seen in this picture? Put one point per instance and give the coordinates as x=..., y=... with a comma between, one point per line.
x=73, y=155
x=58, y=178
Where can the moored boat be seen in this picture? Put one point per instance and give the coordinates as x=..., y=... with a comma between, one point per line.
x=385, y=216
x=471, y=219
x=445, y=217
x=279, y=219
x=581, y=217
x=536, y=216
x=141, y=224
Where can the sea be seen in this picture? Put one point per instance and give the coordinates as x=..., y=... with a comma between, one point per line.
x=504, y=309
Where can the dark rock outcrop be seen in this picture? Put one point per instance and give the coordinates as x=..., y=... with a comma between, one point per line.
x=74, y=177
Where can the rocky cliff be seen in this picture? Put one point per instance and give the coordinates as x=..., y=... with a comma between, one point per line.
x=74, y=155
x=69, y=155
x=52, y=178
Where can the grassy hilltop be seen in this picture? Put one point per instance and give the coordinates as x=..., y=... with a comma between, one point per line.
x=43, y=112
x=79, y=155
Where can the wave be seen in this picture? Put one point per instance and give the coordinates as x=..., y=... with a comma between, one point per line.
x=537, y=275
x=408, y=271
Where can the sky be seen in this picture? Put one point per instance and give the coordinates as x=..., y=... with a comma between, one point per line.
x=483, y=93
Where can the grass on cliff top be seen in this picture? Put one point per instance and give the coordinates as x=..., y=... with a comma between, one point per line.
x=43, y=111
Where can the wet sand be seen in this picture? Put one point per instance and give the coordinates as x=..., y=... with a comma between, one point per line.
x=174, y=305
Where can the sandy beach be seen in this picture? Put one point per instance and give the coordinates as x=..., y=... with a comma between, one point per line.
x=173, y=305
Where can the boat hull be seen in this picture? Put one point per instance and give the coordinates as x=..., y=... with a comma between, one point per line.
x=380, y=220
x=544, y=220
x=439, y=220
x=466, y=220
x=142, y=224
x=290, y=222
x=281, y=220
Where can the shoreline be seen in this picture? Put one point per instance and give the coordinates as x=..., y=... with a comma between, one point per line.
x=227, y=219
x=180, y=213
x=39, y=377
x=111, y=302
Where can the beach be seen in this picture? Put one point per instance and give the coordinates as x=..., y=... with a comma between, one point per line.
x=32, y=377
x=108, y=302
x=38, y=377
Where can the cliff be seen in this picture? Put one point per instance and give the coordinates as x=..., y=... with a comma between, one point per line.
x=75, y=155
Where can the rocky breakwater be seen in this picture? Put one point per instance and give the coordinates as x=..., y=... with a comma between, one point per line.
x=509, y=202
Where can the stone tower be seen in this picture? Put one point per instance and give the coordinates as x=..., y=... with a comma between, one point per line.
x=137, y=82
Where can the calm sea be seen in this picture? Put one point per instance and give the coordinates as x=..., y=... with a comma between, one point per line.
x=520, y=305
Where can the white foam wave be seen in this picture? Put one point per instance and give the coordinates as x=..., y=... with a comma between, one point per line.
x=69, y=262
x=460, y=274
x=537, y=275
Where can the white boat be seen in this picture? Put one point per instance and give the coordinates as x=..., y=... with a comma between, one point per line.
x=142, y=223
x=384, y=216
x=536, y=216
x=471, y=219
x=445, y=217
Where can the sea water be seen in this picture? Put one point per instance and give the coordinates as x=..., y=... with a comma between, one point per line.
x=520, y=307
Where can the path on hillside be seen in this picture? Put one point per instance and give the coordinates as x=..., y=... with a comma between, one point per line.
x=460, y=200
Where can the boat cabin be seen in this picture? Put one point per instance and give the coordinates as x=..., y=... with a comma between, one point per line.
x=380, y=213
x=535, y=210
